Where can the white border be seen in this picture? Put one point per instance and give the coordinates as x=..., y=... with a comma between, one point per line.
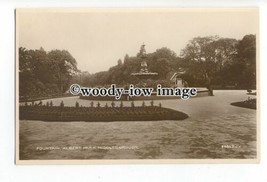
x=149, y=172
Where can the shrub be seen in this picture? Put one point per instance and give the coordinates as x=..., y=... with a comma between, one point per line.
x=143, y=104
x=77, y=104
x=61, y=104
x=40, y=103
x=112, y=104
x=51, y=103
x=152, y=103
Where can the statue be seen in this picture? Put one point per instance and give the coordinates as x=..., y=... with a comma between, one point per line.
x=142, y=52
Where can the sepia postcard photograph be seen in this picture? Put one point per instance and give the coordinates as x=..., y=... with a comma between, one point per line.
x=137, y=85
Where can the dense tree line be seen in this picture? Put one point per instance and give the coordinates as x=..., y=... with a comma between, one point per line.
x=221, y=62
x=43, y=74
x=163, y=61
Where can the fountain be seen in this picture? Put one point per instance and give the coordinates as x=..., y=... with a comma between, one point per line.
x=144, y=74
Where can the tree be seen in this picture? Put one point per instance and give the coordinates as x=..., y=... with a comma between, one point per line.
x=119, y=62
x=225, y=48
x=166, y=53
x=200, y=54
x=205, y=59
x=28, y=82
x=246, y=61
x=126, y=59
x=160, y=66
x=43, y=74
x=62, y=67
x=25, y=60
x=223, y=61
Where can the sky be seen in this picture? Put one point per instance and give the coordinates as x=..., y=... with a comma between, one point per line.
x=97, y=38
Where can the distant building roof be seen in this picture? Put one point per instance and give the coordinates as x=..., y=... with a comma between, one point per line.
x=177, y=74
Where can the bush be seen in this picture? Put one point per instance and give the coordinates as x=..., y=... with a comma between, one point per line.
x=112, y=104
x=143, y=104
x=61, y=104
x=77, y=104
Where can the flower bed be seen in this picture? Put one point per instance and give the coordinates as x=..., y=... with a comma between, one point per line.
x=250, y=103
x=59, y=113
